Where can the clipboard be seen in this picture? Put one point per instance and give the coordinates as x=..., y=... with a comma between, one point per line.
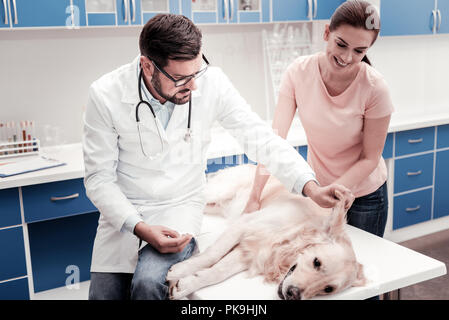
x=29, y=165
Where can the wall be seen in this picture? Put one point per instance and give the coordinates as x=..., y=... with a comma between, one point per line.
x=45, y=74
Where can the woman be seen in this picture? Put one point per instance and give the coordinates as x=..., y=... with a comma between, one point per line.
x=345, y=107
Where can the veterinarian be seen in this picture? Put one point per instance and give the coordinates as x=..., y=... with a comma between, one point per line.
x=147, y=128
x=344, y=106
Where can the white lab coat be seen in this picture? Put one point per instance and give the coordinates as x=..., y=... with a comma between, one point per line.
x=120, y=181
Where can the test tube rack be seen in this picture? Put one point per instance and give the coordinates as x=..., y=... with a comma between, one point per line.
x=19, y=148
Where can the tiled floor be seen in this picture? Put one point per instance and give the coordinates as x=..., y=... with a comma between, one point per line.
x=435, y=245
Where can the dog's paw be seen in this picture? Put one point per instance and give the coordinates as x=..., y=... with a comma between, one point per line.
x=178, y=271
x=179, y=289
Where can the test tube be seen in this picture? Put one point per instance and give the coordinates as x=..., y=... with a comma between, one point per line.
x=33, y=134
x=2, y=138
x=14, y=134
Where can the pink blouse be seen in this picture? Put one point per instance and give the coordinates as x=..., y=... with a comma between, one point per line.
x=334, y=125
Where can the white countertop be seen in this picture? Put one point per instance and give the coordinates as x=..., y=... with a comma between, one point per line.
x=223, y=144
x=393, y=267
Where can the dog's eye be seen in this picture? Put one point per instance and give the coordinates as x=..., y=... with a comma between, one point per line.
x=292, y=268
x=316, y=263
x=328, y=289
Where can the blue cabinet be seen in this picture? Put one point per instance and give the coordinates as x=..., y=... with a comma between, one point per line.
x=15, y=290
x=100, y=13
x=5, y=19
x=414, y=141
x=212, y=11
x=61, y=250
x=216, y=164
x=257, y=11
x=388, y=147
x=441, y=200
x=443, y=136
x=411, y=17
x=40, y=13
x=413, y=173
x=55, y=200
x=12, y=254
x=150, y=8
x=9, y=207
x=443, y=16
x=292, y=10
x=298, y=10
x=412, y=208
x=324, y=9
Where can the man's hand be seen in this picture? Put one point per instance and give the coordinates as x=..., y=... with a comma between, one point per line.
x=328, y=196
x=161, y=238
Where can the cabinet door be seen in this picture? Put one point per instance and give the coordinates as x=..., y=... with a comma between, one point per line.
x=5, y=19
x=443, y=6
x=12, y=254
x=55, y=200
x=79, y=13
x=388, y=147
x=150, y=8
x=101, y=12
x=291, y=10
x=414, y=141
x=324, y=9
x=9, y=207
x=60, y=248
x=129, y=12
x=413, y=173
x=40, y=13
x=443, y=136
x=15, y=290
x=441, y=200
x=412, y=208
x=411, y=17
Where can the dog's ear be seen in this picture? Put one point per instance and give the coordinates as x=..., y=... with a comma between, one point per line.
x=337, y=221
x=360, y=279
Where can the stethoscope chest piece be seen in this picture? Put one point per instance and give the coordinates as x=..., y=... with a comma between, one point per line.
x=188, y=135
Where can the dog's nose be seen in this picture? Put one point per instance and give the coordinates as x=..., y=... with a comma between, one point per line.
x=293, y=293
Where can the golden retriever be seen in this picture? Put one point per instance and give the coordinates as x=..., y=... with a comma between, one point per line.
x=290, y=240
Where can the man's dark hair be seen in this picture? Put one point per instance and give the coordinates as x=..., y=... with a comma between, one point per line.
x=170, y=36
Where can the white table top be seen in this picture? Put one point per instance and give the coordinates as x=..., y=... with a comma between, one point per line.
x=223, y=144
x=387, y=265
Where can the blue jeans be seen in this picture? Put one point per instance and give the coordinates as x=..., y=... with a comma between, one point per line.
x=370, y=212
x=147, y=282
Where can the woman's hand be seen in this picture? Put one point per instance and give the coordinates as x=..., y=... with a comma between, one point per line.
x=163, y=239
x=329, y=196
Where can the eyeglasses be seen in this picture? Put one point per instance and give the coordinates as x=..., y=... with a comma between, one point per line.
x=184, y=80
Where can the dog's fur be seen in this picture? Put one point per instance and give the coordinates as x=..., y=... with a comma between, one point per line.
x=290, y=240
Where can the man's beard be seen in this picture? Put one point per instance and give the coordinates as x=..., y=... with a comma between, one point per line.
x=155, y=82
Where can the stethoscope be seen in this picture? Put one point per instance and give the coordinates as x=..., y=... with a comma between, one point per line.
x=187, y=136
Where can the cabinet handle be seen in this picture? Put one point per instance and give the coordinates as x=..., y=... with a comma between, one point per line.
x=415, y=140
x=315, y=2
x=434, y=14
x=225, y=9
x=413, y=209
x=16, y=20
x=439, y=20
x=72, y=196
x=310, y=9
x=134, y=10
x=417, y=173
x=6, y=11
x=126, y=5
x=232, y=10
